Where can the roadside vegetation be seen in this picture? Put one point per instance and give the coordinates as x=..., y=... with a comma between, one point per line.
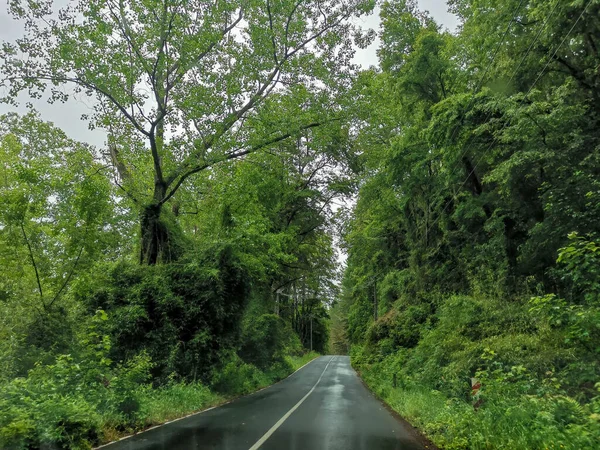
x=192, y=258
x=471, y=301
x=96, y=345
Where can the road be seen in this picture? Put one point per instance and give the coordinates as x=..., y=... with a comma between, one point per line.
x=322, y=406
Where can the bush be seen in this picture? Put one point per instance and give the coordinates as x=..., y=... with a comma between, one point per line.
x=184, y=315
x=237, y=377
x=517, y=411
x=173, y=400
x=535, y=362
x=266, y=340
x=65, y=404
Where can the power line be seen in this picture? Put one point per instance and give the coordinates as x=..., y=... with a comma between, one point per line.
x=528, y=92
x=535, y=82
x=539, y=33
x=483, y=77
x=482, y=80
x=514, y=73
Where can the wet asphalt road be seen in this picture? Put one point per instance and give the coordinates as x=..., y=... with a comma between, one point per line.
x=338, y=414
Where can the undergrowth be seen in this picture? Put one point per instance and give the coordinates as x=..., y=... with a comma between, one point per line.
x=84, y=399
x=538, y=380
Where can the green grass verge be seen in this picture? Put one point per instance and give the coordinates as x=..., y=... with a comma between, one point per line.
x=298, y=361
x=502, y=422
x=157, y=406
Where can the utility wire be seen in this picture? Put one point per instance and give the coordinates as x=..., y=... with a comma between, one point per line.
x=512, y=77
x=487, y=69
x=541, y=73
x=483, y=78
x=480, y=83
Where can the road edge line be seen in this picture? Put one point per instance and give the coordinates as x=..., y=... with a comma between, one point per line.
x=204, y=410
x=417, y=433
x=286, y=416
x=277, y=382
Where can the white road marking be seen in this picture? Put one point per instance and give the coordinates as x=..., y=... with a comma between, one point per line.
x=201, y=412
x=268, y=434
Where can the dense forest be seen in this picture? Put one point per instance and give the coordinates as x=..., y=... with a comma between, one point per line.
x=471, y=296
x=190, y=259
x=194, y=257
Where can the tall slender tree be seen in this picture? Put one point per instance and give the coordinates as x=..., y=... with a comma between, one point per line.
x=182, y=85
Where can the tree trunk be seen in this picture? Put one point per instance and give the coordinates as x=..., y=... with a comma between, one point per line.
x=155, y=246
x=476, y=186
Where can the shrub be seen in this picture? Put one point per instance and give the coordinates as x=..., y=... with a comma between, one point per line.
x=237, y=377
x=182, y=315
x=266, y=340
x=64, y=404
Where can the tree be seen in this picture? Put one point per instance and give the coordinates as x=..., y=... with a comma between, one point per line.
x=184, y=85
x=480, y=154
x=57, y=218
x=275, y=210
x=56, y=212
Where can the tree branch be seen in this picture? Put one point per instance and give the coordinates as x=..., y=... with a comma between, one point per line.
x=37, y=275
x=272, y=32
x=64, y=285
x=288, y=23
x=317, y=35
x=158, y=174
x=87, y=85
x=235, y=155
x=202, y=55
x=260, y=95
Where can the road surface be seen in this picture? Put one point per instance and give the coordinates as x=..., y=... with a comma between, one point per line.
x=322, y=406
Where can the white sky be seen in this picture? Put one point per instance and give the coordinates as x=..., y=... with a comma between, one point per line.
x=67, y=115
x=438, y=10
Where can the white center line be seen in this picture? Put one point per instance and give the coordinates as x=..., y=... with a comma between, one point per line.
x=268, y=434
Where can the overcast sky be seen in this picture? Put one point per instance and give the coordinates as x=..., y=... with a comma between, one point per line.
x=67, y=116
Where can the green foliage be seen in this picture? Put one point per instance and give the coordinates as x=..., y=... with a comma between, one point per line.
x=85, y=398
x=504, y=421
x=239, y=378
x=236, y=377
x=266, y=340
x=184, y=316
x=57, y=218
x=56, y=214
x=172, y=325
x=223, y=228
x=579, y=267
x=472, y=247
x=64, y=404
x=530, y=376
x=537, y=364
x=168, y=402
x=226, y=79
x=478, y=191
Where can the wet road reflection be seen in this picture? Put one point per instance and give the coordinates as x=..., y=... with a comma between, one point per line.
x=339, y=414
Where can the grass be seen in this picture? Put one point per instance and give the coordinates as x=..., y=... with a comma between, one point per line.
x=502, y=422
x=298, y=361
x=168, y=403
x=157, y=406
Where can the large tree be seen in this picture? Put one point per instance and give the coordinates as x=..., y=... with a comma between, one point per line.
x=181, y=85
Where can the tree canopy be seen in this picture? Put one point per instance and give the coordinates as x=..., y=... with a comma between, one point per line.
x=181, y=86
x=195, y=256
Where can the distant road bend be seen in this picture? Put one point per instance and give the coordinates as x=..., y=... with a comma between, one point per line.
x=322, y=406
